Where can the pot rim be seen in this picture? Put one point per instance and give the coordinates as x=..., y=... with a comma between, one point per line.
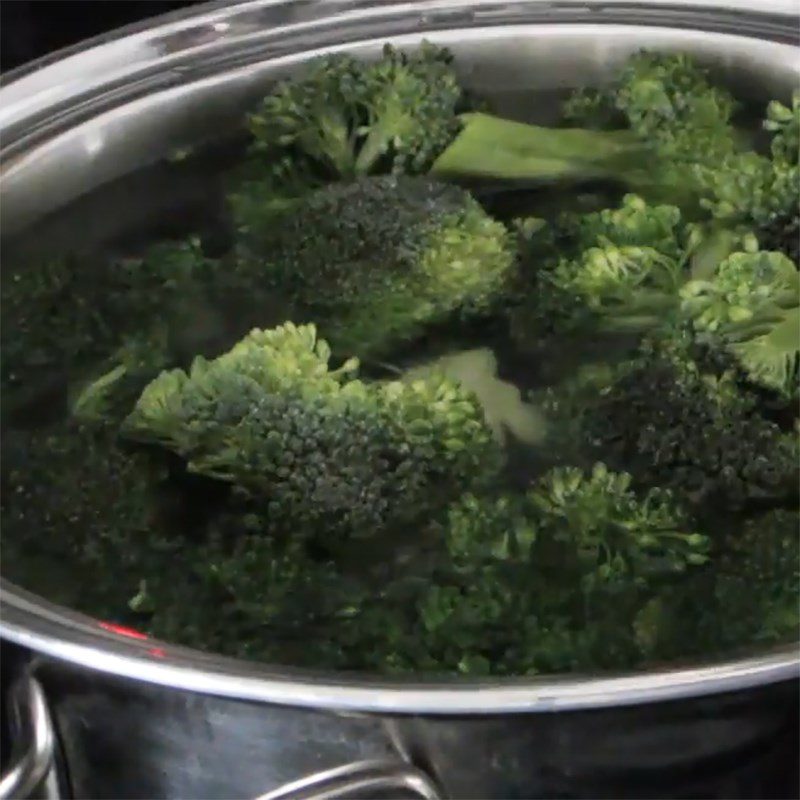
x=51, y=630
x=60, y=633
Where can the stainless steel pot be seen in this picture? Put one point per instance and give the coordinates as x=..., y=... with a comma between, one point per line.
x=116, y=715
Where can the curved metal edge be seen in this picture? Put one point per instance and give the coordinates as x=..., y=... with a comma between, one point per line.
x=356, y=778
x=33, y=755
x=163, y=43
x=47, y=629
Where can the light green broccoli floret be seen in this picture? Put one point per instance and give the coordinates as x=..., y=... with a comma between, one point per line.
x=752, y=303
x=326, y=452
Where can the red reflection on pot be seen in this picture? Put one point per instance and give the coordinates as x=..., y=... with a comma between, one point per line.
x=122, y=630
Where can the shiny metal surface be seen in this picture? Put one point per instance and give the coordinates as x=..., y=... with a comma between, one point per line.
x=128, y=738
x=32, y=759
x=190, y=724
x=48, y=629
x=361, y=779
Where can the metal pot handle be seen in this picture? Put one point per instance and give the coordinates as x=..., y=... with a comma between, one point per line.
x=32, y=767
x=366, y=777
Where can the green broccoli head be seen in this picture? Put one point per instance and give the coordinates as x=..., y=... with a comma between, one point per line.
x=375, y=260
x=615, y=533
x=675, y=416
x=528, y=573
x=752, y=303
x=666, y=98
x=617, y=270
x=757, y=192
x=71, y=320
x=246, y=594
x=352, y=118
x=751, y=192
x=324, y=451
x=784, y=124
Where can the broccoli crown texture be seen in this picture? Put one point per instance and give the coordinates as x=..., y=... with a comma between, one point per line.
x=353, y=118
x=669, y=101
x=674, y=416
x=71, y=496
x=374, y=260
x=666, y=99
x=615, y=270
x=499, y=606
x=638, y=268
x=324, y=451
x=67, y=319
x=758, y=582
x=752, y=303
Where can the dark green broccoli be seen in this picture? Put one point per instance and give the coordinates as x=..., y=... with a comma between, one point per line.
x=74, y=504
x=401, y=114
x=759, y=192
x=544, y=581
x=243, y=593
x=375, y=260
x=757, y=587
x=676, y=415
x=68, y=321
x=638, y=268
x=618, y=270
x=323, y=450
x=749, y=596
x=53, y=325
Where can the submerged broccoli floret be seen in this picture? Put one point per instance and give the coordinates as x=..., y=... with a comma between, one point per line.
x=748, y=597
x=373, y=261
x=245, y=594
x=616, y=272
x=675, y=416
x=615, y=534
x=537, y=580
x=757, y=586
x=66, y=321
x=326, y=452
x=401, y=114
x=53, y=322
x=74, y=504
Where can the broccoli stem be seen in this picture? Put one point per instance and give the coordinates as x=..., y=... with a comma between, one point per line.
x=492, y=147
x=337, y=143
x=375, y=145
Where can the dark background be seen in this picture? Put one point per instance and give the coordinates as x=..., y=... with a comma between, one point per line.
x=33, y=28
